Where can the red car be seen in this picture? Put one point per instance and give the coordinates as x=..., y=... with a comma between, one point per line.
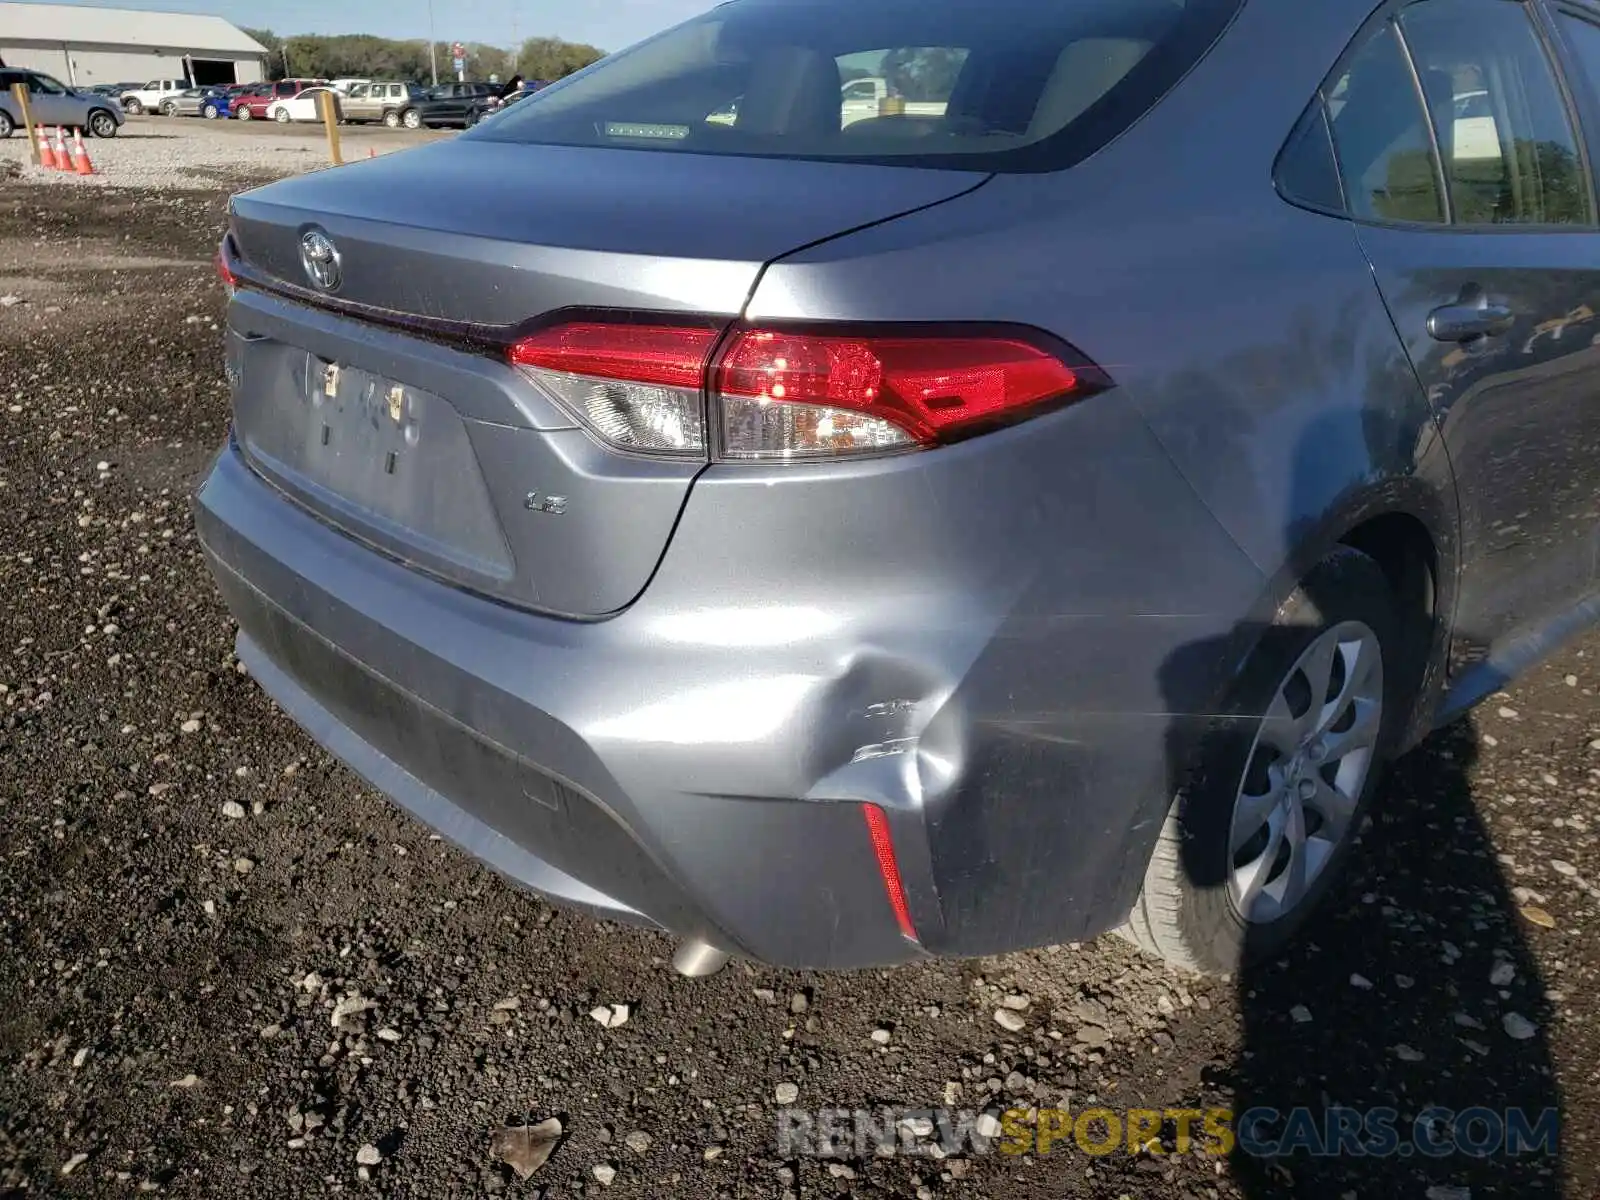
x=253, y=105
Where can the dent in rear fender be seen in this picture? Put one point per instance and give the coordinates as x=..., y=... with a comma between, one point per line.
x=972, y=637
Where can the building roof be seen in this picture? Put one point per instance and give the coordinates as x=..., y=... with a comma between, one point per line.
x=78, y=24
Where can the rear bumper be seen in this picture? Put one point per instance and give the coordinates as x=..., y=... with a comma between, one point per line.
x=703, y=769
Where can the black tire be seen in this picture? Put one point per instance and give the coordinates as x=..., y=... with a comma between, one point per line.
x=6, y=125
x=246, y=115
x=1185, y=913
x=210, y=112
x=102, y=124
x=282, y=116
x=411, y=119
x=391, y=119
x=134, y=108
x=169, y=108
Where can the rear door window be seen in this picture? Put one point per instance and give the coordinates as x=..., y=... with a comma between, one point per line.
x=1507, y=140
x=1004, y=85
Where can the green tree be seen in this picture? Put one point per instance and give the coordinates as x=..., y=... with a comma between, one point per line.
x=552, y=58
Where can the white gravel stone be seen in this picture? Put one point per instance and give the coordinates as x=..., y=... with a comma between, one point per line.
x=786, y=1093
x=233, y=810
x=638, y=1141
x=1518, y=1028
x=369, y=1155
x=1504, y=972
x=882, y=1036
x=604, y=1174
x=1009, y=1020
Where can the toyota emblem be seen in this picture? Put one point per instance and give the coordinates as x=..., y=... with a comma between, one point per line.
x=320, y=257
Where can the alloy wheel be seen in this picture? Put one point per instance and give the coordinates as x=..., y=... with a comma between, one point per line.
x=1307, y=770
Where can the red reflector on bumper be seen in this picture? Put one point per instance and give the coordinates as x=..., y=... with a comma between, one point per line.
x=883, y=849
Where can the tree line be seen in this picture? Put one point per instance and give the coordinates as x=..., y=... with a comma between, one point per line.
x=363, y=56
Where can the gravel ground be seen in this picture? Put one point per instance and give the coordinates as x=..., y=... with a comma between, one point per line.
x=232, y=970
x=189, y=154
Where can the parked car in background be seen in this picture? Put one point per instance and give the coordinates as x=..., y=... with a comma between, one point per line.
x=54, y=103
x=306, y=106
x=384, y=100
x=194, y=102
x=863, y=98
x=253, y=105
x=460, y=105
x=150, y=96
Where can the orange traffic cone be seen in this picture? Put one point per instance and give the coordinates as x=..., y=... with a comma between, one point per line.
x=47, y=156
x=63, y=159
x=80, y=154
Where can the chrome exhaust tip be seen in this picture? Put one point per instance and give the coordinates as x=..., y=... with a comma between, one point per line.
x=695, y=959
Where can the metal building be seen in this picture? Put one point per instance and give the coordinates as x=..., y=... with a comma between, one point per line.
x=83, y=46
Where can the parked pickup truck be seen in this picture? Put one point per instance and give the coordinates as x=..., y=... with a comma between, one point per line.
x=152, y=95
x=863, y=98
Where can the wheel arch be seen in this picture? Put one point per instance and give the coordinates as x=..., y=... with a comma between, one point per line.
x=1409, y=529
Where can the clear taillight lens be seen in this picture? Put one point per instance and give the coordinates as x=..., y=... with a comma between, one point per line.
x=788, y=394
x=636, y=386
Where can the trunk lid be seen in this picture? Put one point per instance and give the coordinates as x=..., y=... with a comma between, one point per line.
x=444, y=456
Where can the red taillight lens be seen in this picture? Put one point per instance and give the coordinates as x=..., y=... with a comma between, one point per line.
x=225, y=273
x=665, y=355
x=875, y=393
x=777, y=394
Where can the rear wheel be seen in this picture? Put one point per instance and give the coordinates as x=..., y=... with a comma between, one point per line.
x=169, y=109
x=281, y=116
x=210, y=112
x=133, y=107
x=246, y=115
x=1271, y=805
x=412, y=119
x=6, y=125
x=102, y=124
x=392, y=120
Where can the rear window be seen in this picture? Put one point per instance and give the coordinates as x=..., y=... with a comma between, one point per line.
x=1007, y=85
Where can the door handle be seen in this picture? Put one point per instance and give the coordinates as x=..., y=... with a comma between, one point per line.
x=1471, y=317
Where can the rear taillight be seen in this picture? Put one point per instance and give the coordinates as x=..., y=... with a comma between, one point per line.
x=794, y=394
x=636, y=386
x=789, y=395
x=225, y=272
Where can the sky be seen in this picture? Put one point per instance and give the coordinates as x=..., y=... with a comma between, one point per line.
x=609, y=24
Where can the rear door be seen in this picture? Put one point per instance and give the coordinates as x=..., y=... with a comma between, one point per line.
x=449, y=103
x=1464, y=164
x=51, y=103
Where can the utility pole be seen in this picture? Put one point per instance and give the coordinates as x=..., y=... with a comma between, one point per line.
x=433, y=46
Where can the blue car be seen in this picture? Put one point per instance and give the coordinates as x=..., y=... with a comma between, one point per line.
x=211, y=103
